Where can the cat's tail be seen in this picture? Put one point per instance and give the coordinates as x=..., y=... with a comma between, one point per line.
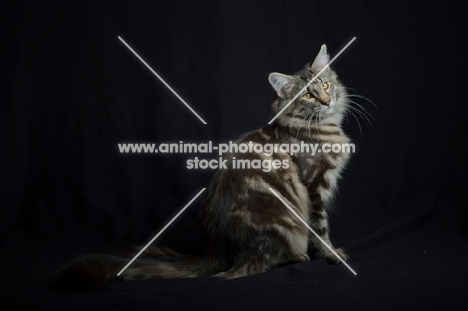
x=92, y=272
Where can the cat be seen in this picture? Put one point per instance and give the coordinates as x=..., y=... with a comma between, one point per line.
x=247, y=230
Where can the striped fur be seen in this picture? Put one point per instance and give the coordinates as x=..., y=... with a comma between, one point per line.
x=246, y=229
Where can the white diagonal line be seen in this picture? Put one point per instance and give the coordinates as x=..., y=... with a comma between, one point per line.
x=162, y=230
x=313, y=79
x=162, y=80
x=312, y=230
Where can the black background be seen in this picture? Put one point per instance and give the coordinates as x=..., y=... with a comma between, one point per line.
x=71, y=91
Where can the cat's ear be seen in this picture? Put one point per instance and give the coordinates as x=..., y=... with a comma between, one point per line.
x=320, y=61
x=281, y=83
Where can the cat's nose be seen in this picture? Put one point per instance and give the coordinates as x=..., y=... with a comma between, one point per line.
x=325, y=103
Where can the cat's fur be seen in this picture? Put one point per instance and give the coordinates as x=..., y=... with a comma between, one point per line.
x=247, y=230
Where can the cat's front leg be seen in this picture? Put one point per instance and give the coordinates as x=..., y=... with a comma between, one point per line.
x=319, y=223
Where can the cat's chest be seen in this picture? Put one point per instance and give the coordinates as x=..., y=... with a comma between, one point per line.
x=322, y=167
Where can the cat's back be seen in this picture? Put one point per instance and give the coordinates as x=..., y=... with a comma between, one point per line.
x=258, y=161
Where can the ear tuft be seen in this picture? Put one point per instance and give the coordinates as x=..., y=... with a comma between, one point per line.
x=321, y=60
x=281, y=83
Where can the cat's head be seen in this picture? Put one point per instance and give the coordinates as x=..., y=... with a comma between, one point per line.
x=324, y=99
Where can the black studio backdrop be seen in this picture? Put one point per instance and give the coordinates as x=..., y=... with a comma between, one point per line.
x=71, y=91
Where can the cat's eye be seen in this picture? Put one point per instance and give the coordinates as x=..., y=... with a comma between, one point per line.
x=325, y=85
x=307, y=96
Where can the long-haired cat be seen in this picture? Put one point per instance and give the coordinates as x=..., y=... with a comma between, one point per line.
x=246, y=229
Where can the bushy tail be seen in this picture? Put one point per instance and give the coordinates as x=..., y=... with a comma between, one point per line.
x=92, y=272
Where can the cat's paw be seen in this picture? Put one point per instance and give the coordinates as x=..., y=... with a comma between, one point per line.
x=304, y=258
x=333, y=260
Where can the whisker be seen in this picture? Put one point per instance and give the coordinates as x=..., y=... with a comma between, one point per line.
x=318, y=121
x=300, y=125
x=308, y=126
x=363, y=97
x=357, y=111
x=349, y=88
x=357, y=120
x=364, y=115
x=352, y=101
x=365, y=112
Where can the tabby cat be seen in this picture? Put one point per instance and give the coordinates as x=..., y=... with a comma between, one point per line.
x=246, y=229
